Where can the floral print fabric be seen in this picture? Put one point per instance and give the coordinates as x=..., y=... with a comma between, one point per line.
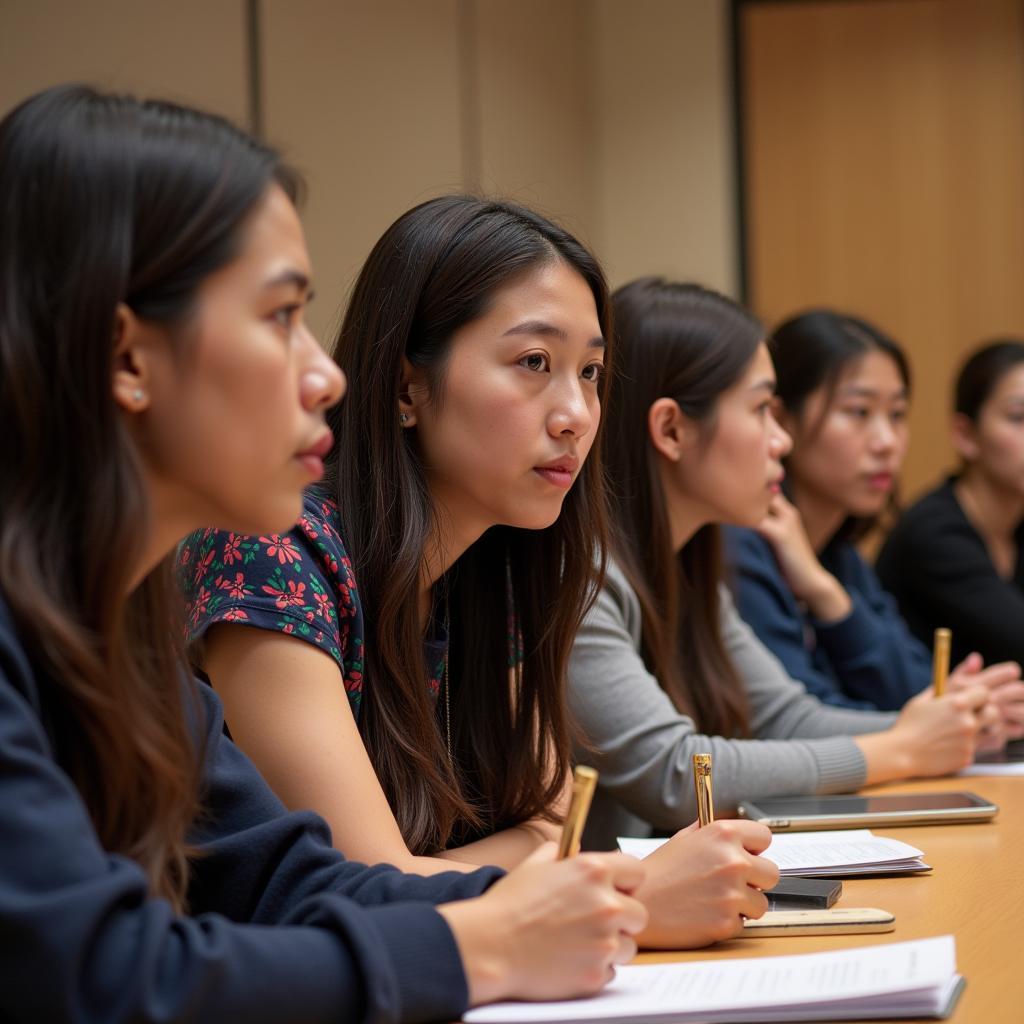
x=300, y=583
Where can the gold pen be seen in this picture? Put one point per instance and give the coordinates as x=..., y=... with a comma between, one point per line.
x=584, y=781
x=702, y=785
x=940, y=661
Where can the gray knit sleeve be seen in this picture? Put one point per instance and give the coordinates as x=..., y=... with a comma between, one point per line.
x=642, y=745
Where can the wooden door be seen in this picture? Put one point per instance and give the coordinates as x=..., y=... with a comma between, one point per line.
x=883, y=174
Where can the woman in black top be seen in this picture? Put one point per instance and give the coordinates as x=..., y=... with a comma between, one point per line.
x=956, y=557
x=155, y=375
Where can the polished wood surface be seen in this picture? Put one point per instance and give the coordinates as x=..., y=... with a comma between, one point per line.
x=975, y=892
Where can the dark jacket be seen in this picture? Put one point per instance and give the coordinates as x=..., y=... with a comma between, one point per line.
x=282, y=927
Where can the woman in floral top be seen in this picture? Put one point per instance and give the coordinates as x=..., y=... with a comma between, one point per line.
x=460, y=499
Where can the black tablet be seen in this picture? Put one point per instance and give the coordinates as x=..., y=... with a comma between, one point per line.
x=812, y=813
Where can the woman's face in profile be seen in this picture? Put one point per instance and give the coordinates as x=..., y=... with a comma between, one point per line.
x=734, y=472
x=233, y=430
x=995, y=443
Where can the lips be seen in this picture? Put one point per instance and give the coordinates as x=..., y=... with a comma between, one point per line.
x=313, y=457
x=322, y=446
x=559, y=473
x=880, y=481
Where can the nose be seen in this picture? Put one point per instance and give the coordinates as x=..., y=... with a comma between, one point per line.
x=571, y=413
x=780, y=444
x=883, y=436
x=322, y=382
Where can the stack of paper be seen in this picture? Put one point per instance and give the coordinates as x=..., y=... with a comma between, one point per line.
x=904, y=979
x=839, y=854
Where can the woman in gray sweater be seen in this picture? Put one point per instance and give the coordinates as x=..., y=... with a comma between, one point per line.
x=663, y=666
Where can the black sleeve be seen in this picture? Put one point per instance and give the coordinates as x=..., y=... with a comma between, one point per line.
x=83, y=941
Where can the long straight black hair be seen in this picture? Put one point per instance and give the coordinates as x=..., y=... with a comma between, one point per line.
x=687, y=343
x=434, y=270
x=104, y=200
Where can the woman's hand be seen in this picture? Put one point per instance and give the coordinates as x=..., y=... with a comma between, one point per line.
x=1006, y=695
x=550, y=929
x=810, y=582
x=703, y=882
x=932, y=736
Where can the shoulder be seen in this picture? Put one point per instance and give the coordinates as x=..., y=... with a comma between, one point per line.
x=300, y=583
x=615, y=608
x=938, y=506
x=15, y=666
x=932, y=519
x=747, y=549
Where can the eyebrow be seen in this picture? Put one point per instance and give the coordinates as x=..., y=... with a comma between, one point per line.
x=767, y=384
x=857, y=391
x=295, y=277
x=543, y=328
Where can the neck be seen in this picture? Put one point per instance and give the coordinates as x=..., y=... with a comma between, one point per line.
x=167, y=524
x=449, y=540
x=821, y=516
x=994, y=511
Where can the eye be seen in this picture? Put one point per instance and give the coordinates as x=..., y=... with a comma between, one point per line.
x=858, y=412
x=285, y=316
x=535, y=361
x=763, y=408
x=898, y=415
x=593, y=372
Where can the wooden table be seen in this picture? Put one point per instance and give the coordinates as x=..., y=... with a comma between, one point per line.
x=975, y=892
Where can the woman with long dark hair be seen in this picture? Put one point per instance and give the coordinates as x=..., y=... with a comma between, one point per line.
x=156, y=374
x=663, y=666
x=956, y=557
x=406, y=676
x=801, y=583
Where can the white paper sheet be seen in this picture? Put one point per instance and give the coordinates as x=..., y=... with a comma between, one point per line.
x=836, y=853
x=900, y=979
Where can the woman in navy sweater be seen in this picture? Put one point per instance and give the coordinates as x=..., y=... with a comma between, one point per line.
x=156, y=374
x=843, y=390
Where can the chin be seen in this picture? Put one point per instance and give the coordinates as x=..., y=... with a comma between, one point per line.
x=277, y=518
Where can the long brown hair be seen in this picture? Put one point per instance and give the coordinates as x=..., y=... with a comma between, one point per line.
x=690, y=344
x=434, y=270
x=104, y=200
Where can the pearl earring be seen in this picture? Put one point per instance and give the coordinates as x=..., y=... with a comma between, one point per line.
x=138, y=395
x=403, y=418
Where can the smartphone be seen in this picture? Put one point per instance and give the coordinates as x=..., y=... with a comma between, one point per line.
x=810, y=813
x=794, y=892
x=836, y=921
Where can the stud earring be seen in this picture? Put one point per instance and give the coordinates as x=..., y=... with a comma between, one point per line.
x=403, y=418
x=138, y=395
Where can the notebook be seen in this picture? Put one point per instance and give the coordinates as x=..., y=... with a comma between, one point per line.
x=839, y=854
x=902, y=979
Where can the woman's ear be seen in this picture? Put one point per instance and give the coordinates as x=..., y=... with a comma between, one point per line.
x=412, y=394
x=131, y=380
x=671, y=431
x=965, y=437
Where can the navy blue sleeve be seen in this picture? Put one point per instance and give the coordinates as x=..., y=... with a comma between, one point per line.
x=874, y=654
x=766, y=603
x=83, y=941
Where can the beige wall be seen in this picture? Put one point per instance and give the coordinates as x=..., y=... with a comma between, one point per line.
x=611, y=115
x=664, y=155
x=193, y=51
